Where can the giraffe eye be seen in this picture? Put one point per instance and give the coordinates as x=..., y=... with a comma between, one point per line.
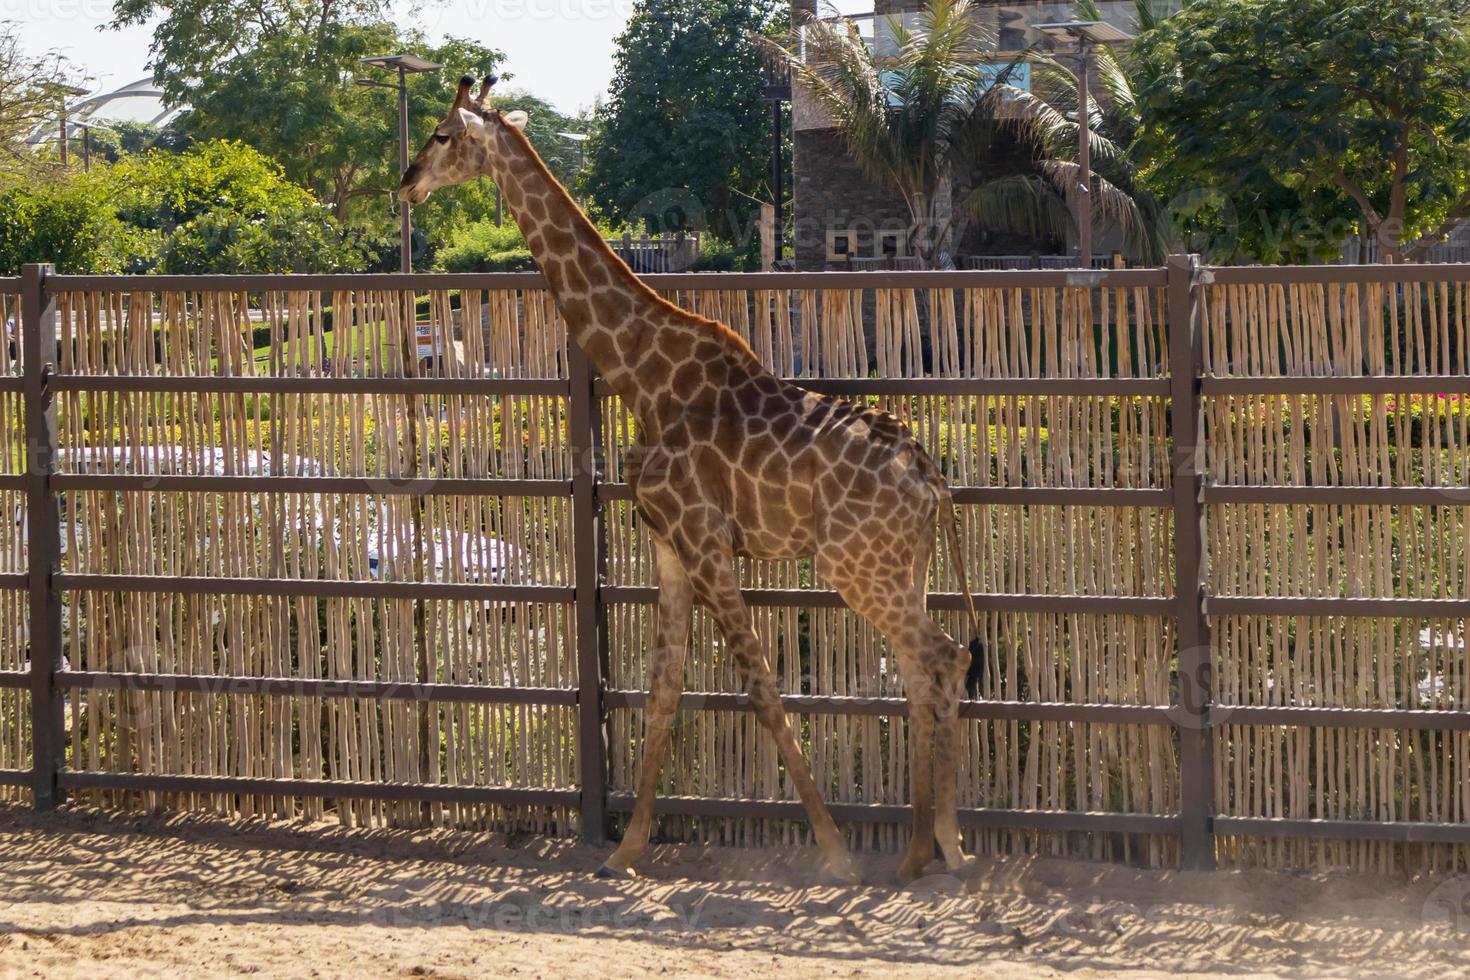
x=440, y=138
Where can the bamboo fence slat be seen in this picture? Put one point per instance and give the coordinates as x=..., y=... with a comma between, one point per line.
x=843, y=328
x=1330, y=550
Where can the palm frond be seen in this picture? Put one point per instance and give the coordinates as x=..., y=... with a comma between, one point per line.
x=1110, y=203
x=1046, y=116
x=925, y=102
x=1023, y=204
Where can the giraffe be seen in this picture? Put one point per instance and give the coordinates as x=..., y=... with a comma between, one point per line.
x=730, y=461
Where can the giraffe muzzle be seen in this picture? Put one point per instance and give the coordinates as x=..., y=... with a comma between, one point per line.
x=412, y=194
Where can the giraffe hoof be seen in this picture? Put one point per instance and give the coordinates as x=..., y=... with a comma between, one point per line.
x=910, y=872
x=845, y=873
x=964, y=867
x=608, y=871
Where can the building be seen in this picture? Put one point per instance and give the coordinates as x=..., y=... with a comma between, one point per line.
x=840, y=218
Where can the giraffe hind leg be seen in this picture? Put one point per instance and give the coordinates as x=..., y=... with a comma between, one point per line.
x=950, y=664
x=934, y=667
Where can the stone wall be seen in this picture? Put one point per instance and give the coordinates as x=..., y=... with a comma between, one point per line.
x=834, y=198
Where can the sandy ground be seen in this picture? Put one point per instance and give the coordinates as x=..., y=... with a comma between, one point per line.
x=92, y=893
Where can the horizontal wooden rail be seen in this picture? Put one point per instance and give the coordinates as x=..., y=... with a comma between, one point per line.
x=15, y=777
x=1281, y=275
x=12, y=481
x=848, y=387
x=1122, y=605
x=995, y=819
x=385, y=485
x=1216, y=605
x=972, y=387
x=1398, y=384
x=319, y=788
x=1403, y=719
x=14, y=581
x=11, y=383
x=270, y=384
x=14, y=680
x=814, y=704
x=314, y=687
x=665, y=282
x=642, y=595
x=1080, y=712
x=1399, y=831
x=1008, y=496
x=1343, y=496
x=315, y=587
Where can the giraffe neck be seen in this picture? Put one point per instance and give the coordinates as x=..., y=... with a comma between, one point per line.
x=606, y=307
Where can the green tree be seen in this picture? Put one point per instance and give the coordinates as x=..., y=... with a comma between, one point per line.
x=221, y=207
x=28, y=98
x=121, y=137
x=1313, y=111
x=685, y=133
x=277, y=74
x=59, y=219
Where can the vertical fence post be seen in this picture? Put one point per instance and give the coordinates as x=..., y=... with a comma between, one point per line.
x=584, y=420
x=1192, y=638
x=43, y=532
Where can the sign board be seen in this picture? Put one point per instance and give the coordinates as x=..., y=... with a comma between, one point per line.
x=428, y=345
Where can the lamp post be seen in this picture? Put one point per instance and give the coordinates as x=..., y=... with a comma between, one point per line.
x=65, y=90
x=404, y=65
x=777, y=90
x=579, y=140
x=87, y=129
x=1085, y=35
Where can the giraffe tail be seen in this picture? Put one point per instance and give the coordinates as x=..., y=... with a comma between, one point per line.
x=948, y=519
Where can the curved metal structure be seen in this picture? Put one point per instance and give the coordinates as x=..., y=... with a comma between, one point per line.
x=85, y=109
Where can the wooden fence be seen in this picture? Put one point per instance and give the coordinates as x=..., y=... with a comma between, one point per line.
x=266, y=559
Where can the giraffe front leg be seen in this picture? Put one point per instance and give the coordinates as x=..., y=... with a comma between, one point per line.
x=717, y=585
x=666, y=683
x=766, y=700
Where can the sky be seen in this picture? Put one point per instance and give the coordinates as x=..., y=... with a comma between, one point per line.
x=562, y=50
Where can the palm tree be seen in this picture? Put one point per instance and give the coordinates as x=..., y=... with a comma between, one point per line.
x=1119, y=189
x=918, y=112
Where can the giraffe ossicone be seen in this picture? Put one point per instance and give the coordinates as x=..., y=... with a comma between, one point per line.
x=730, y=461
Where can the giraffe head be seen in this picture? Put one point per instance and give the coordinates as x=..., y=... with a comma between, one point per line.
x=462, y=145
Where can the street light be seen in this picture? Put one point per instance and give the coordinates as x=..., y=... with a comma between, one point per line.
x=777, y=90
x=87, y=130
x=579, y=140
x=65, y=90
x=404, y=64
x=1085, y=34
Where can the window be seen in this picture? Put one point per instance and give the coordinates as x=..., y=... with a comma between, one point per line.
x=890, y=245
x=841, y=244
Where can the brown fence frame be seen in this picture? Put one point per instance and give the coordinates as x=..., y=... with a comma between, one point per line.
x=1193, y=715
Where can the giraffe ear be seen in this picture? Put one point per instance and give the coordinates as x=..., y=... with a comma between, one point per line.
x=471, y=119
x=517, y=118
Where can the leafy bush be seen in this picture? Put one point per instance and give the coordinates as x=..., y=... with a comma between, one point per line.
x=716, y=255
x=68, y=223
x=485, y=246
x=222, y=207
